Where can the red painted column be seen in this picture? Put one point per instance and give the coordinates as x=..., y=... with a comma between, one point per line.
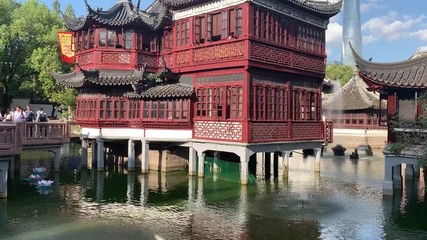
x=391, y=111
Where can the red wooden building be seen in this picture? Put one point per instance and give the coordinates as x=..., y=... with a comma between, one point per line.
x=236, y=76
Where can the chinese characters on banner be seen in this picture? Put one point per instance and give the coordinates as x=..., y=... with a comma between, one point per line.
x=67, y=46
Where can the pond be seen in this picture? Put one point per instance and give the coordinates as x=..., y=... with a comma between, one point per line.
x=344, y=201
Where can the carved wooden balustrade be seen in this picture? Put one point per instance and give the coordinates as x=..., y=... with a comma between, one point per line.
x=15, y=137
x=265, y=131
x=215, y=52
x=118, y=57
x=10, y=139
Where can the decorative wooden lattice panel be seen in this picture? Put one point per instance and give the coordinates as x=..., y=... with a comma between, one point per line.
x=219, y=52
x=86, y=58
x=307, y=131
x=218, y=130
x=151, y=61
x=284, y=57
x=107, y=57
x=183, y=58
x=303, y=61
x=271, y=54
x=269, y=131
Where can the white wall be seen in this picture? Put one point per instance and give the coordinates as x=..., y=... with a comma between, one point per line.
x=407, y=110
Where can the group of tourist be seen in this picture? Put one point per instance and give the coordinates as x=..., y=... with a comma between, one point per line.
x=19, y=115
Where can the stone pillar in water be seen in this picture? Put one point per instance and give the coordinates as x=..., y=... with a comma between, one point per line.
x=100, y=154
x=83, y=158
x=318, y=152
x=4, y=167
x=260, y=165
x=201, y=172
x=409, y=172
x=131, y=155
x=244, y=167
x=192, y=162
x=145, y=156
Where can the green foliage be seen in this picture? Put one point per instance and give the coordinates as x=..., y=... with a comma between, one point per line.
x=342, y=73
x=29, y=51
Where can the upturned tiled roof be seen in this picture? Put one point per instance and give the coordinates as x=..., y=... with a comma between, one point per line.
x=324, y=8
x=122, y=14
x=176, y=90
x=99, y=77
x=352, y=96
x=411, y=73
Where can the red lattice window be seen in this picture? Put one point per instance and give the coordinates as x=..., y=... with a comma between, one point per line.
x=235, y=102
x=167, y=40
x=239, y=22
x=182, y=29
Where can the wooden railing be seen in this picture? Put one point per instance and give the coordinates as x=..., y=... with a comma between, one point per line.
x=15, y=137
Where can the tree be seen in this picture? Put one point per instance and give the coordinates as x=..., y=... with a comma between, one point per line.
x=342, y=73
x=30, y=52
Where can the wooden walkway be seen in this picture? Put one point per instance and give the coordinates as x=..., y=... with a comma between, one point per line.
x=14, y=138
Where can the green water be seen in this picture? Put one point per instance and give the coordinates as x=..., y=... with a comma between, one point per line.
x=344, y=201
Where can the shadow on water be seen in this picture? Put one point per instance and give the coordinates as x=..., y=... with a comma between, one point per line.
x=344, y=201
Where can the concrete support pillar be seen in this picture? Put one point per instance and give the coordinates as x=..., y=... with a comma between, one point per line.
x=83, y=156
x=285, y=164
x=260, y=165
x=416, y=171
x=131, y=155
x=145, y=156
x=397, y=176
x=4, y=168
x=388, y=178
x=244, y=167
x=272, y=157
x=100, y=154
x=409, y=172
x=192, y=171
x=201, y=171
x=318, y=154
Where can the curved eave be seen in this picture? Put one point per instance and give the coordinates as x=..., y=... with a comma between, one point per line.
x=411, y=73
x=327, y=10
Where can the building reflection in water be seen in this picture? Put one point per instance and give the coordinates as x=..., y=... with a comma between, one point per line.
x=3, y=211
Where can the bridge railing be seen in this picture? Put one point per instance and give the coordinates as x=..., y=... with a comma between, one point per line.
x=45, y=133
x=10, y=139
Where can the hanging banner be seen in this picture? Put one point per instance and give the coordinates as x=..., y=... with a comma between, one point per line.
x=66, y=44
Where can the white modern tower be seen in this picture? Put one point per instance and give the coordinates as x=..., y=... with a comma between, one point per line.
x=351, y=31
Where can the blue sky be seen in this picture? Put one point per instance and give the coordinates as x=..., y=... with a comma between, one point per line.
x=392, y=30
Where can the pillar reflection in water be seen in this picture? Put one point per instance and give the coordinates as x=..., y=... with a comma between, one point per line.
x=3, y=211
x=192, y=181
x=56, y=184
x=83, y=181
x=100, y=177
x=243, y=205
x=144, y=188
x=200, y=201
x=130, y=187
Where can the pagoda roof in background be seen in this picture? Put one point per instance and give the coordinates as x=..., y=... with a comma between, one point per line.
x=410, y=74
x=352, y=96
x=123, y=13
x=320, y=7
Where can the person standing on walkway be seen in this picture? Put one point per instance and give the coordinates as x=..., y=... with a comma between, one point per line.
x=18, y=115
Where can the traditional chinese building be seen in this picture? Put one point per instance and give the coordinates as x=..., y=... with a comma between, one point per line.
x=232, y=76
x=355, y=113
x=399, y=84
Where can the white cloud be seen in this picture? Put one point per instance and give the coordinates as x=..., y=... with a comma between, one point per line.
x=334, y=35
x=370, y=5
x=369, y=39
x=421, y=34
x=390, y=27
